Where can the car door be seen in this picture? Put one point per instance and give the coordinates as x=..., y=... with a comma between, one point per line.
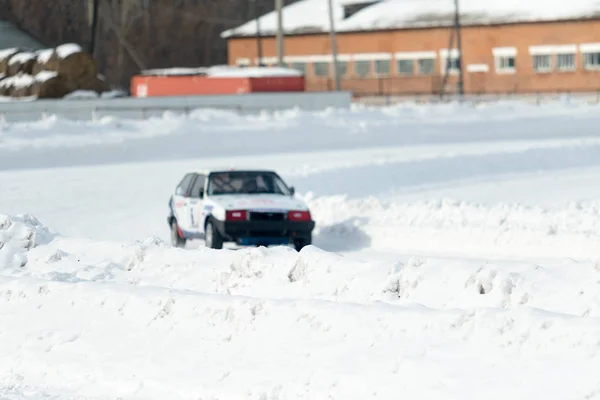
x=180, y=202
x=196, y=204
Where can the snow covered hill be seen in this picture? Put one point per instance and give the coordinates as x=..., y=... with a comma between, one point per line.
x=456, y=257
x=108, y=320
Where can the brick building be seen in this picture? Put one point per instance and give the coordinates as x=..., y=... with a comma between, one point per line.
x=410, y=46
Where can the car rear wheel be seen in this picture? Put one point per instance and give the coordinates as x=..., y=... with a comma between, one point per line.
x=176, y=238
x=212, y=237
x=300, y=243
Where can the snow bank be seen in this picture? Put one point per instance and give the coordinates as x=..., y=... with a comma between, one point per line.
x=6, y=52
x=43, y=56
x=457, y=228
x=144, y=320
x=175, y=71
x=18, y=81
x=18, y=235
x=67, y=49
x=44, y=76
x=314, y=274
x=225, y=72
x=56, y=142
x=21, y=58
x=253, y=72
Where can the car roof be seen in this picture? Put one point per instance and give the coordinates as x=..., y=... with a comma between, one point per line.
x=220, y=170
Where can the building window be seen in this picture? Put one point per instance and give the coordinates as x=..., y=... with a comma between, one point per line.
x=382, y=67
x=565, y=62
x=405, y=67
x=542, y=63
x=591, y=60
x=321, y=68
x=452, y=64
x=426, y=66
x=342, y=67
x=450, y=61
x=243, y=62
x=505, y=59
x=505, y=64
x=299, y=66
x=362, y=68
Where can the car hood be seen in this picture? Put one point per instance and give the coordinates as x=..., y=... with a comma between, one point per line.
x=260, y=202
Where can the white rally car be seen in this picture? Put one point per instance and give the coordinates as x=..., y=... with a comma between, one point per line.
x=249, y=207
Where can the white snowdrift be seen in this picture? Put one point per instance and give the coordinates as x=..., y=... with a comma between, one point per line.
x=225, y=71
x=65, y=50
x=253, y=72
x=22, y=57
x=457, y=228
x=109, y=320
x=59, y=142
x=17, y=236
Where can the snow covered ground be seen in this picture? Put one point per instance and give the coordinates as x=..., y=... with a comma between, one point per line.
x=457, y=256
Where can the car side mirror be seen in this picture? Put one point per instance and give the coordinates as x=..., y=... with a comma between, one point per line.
x=201, y=193
x=292, y=190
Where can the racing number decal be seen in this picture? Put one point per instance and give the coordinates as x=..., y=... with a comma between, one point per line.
x=193, y=221
x=195, y=211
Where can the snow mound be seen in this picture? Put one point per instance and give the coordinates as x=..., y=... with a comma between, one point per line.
x=315, y=274
x=177, y=71
x=21, y=58
x=43, y=56
x=252, y=72
x=44, y=76
x=18, y=81
x=67, y=49
x=458, y=227
x=19, y=235
x=225, y=71
x=144, y=320
x=6, y=52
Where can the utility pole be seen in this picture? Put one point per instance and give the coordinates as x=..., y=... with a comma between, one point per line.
x=461, y=87
x=94, y=24
x=332, y=39
x=279, y=9
x=258, y=34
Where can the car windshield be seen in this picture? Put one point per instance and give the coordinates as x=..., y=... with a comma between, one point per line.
x=244, y=182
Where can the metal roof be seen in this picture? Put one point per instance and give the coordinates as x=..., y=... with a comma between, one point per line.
x=11, y=36
x=311, y=16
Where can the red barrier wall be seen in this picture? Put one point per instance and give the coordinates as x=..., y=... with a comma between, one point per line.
x=152, y=86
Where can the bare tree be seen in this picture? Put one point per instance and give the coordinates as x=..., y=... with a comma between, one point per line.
x=136, y=34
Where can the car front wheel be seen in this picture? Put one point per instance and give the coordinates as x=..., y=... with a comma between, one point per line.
x=176, y=239
x=212, y=237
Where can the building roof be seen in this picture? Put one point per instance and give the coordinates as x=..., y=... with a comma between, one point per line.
x=11, y=37
x=311, y=16
x=300, y=17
